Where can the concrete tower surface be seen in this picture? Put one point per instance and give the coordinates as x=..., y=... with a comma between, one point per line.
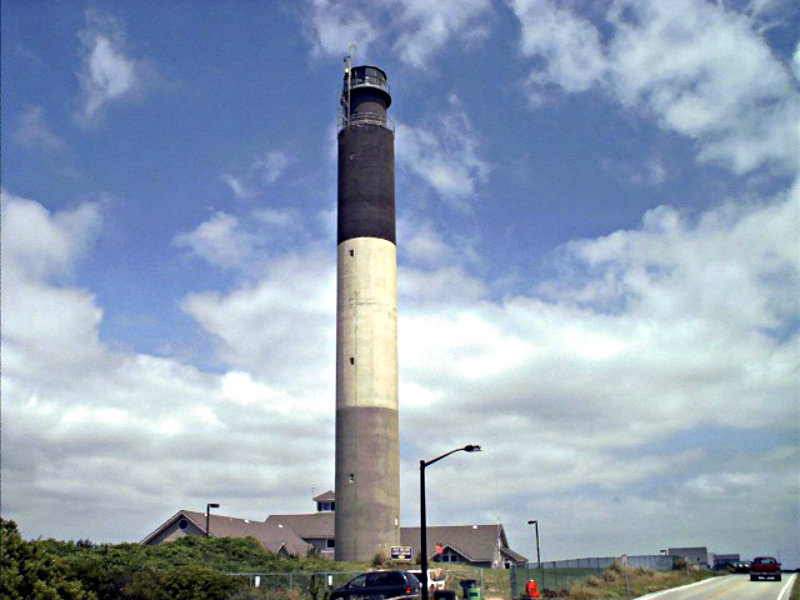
x=367, y=430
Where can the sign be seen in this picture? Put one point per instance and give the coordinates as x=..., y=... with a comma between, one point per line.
x=401, y=552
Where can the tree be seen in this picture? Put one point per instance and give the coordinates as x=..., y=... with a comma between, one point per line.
x=29, y=572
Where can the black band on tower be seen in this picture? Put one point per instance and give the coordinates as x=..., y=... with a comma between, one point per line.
x=366, y=183
x=366, y=157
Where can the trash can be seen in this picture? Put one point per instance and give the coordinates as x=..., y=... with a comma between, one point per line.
x=467, y=585
x=444, y=595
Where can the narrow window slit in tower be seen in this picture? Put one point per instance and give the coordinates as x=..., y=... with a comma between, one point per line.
x=352, y=360
x=352, y=477
x=352, y=252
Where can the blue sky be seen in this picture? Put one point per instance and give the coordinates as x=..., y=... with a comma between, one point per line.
x=598, y=213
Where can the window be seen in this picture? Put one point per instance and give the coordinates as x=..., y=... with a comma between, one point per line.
x=358, y=582
x=183, y=523
x=330, y=543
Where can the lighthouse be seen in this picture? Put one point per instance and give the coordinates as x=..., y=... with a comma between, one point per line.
x=367, y=429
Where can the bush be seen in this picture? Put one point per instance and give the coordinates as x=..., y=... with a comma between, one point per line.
x=193, y=582
x=379, y=559
x=592, y=581
x=29, y=572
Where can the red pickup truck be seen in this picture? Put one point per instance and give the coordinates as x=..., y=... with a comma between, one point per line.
x=765, y=567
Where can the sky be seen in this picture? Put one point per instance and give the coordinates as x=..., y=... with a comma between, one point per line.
x=599, y=264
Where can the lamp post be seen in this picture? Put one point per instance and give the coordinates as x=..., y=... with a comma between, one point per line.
x=423, y=533
x=535, y=523
x=209, y=506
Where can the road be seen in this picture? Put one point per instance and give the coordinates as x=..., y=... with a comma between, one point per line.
x=730, y=587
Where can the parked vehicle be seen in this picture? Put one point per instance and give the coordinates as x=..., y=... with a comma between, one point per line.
x=765, y=567
x=379, y=585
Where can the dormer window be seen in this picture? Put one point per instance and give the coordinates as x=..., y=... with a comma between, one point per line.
x=326, y=506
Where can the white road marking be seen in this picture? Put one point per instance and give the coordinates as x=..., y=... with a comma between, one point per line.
x=787, y=587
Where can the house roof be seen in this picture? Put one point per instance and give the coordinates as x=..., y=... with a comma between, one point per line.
x=319, y=525
x=328, y=496
x=477, y=543
x=515, y=556
x=271, y=535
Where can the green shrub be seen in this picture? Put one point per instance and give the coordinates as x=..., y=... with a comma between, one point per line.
x=29, y=572
x=379, y=559
x=194, y=582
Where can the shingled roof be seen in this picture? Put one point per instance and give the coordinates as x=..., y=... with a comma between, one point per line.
x=477, y=543
x=329, y=496
x=319, y=525
x=274, y=537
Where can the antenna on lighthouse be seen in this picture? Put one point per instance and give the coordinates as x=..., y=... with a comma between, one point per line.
x=348, y=71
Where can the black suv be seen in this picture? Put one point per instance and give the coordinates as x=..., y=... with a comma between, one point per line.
x=379, y=585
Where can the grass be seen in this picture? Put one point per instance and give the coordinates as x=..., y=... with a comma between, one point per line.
x=611, y=584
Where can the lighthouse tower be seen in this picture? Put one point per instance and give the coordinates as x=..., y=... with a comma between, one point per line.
x=367, y=431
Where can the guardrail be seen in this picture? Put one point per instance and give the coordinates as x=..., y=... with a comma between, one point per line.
x=366, y=119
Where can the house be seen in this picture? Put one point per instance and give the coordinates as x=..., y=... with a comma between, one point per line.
x=317, y=529
x=295, y=534
x=475, y=545
x=274, y=537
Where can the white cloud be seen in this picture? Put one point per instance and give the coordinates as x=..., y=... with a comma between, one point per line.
x=221, y=241
x=274, y=217
x=237, y=186
x=85, y=425
x=333, y=25
x=703, y=71
x=426, y=27
x=444, y=154
x=272, y=166
x=569, y=46
x=677, y=325
x=292, y=308
x=33, y=131
x=419, y=28
x=262, y=171
x=107, y=73
x=231, y=242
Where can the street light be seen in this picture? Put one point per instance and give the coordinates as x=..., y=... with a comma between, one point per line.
x=423, y=533
x=209, y=506
x=538, y=556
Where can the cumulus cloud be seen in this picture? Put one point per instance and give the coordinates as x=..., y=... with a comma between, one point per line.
x=33, y=131
x=568, y=45
x=85, y=424
x=702, y=70
x=444, y=154
x=237, y=186
x=333, y=25
x=425, y=27
x=230, y=242
x=266, y=170
x=579, y=386
x=108, y=73
x=419, y=28
x=292, y=306
x=271, y=166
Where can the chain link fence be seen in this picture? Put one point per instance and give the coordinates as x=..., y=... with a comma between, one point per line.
x=297, y=585
x=557, y=576
x=302, y=585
